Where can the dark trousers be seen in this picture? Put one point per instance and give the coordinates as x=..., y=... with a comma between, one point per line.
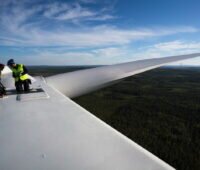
x=22, y=86
x=2, y=89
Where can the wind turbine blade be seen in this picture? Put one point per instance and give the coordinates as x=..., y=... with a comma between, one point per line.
x=81, y=82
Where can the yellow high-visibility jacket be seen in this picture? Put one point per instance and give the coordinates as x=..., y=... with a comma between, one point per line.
x=18, y=73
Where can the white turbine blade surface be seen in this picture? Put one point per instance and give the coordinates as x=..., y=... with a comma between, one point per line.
x=54, y=133
x=7, y=79
x=81, y=82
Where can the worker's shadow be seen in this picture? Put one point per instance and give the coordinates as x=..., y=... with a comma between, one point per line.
x=14, y=92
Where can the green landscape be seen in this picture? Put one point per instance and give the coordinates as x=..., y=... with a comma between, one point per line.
x=158, y=109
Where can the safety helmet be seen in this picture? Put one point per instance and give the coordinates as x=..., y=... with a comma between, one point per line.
x=10, y=62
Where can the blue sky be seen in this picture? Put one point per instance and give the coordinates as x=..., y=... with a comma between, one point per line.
x=87, y=32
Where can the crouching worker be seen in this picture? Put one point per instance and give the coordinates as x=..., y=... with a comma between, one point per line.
x=20, y=75
x=2, y=88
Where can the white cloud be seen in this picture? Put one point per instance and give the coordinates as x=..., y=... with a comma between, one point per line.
x=87, y=37
x=112, y=54
x=64, y=58
x=53, y=9
x=177, y=45
x=108, y=55
x=101, y=17
x=88, y=1
x=26, y=29
x=170, y=48
x=102, y=56
x=74, y=12
x=67, y=12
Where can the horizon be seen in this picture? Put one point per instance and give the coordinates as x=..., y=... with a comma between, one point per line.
x=171, y=66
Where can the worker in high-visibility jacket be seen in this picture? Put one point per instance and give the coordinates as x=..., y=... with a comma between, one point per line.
x=20, y=75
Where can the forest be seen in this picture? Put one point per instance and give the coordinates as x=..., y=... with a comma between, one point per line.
x=158, y=109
